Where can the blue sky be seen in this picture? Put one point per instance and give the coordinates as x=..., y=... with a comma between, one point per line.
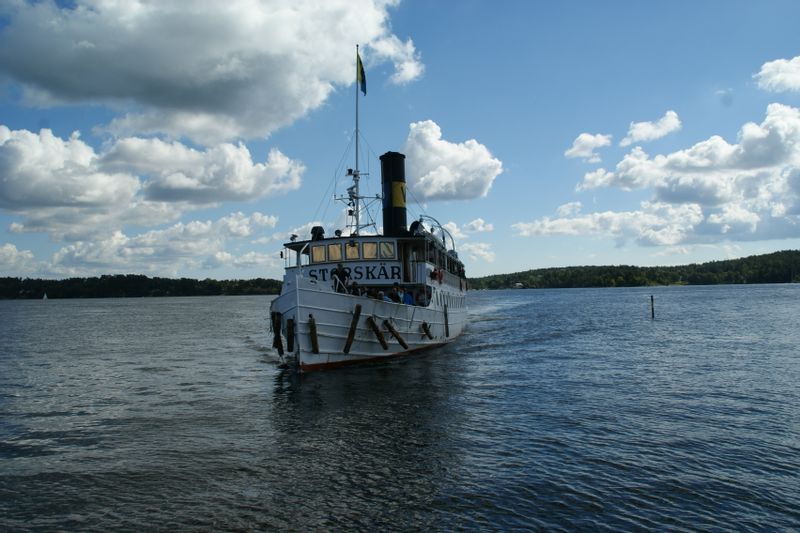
x=190, y=139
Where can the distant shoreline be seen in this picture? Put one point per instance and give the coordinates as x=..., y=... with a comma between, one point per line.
x=131, y=286
x=777, y=267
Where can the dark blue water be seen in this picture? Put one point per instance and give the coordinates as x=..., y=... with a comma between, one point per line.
x=556, y=410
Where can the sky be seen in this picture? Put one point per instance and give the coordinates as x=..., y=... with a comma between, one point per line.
x=191, y=139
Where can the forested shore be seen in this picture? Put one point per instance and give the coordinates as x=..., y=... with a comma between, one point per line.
x=778, y=267
x=131, y=286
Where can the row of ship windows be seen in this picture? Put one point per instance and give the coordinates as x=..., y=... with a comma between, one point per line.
x=322, y=253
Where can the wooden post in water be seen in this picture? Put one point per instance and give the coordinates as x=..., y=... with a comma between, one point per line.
x=652, y=308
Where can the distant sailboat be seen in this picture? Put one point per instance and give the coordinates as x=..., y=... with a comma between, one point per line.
x=44, y=297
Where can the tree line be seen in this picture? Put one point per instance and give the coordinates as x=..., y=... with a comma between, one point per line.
x=778, y=267
x=132, y=286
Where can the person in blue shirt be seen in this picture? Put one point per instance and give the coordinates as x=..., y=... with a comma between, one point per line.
x=408, y=298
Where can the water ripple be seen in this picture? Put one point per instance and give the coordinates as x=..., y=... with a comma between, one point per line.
x=557, y=410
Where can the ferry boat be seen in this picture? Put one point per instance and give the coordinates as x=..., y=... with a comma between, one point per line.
x=361, y=296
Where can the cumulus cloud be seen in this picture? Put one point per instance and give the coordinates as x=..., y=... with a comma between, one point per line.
x=649, y=131
x=42, y=170
x=478, y=226
x=215, y=72
x=653, y=224
x=454, y=230
x=169, y=251
x=780, y=75
x=585, y=144
x=64, y=188
x=714, y=190
x=225, y=172
x=712, y=168
x=478, y=250
x=14, y=262
x=405, y=57
x=569, y=209
x=443, y=170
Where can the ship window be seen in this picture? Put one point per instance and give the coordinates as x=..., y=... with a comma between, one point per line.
x=387, y=250
x=351, y=250
x=335, y=252
x=317, y=254
x=370, y=250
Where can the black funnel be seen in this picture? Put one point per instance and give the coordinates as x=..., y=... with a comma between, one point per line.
x=393, y=179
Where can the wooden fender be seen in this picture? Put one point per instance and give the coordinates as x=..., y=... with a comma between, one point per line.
x=277, y=343
x=388, y=325
x=290, y=335
x=427, y=330
x=312, y=329
x=352, y=333
x=376, y=330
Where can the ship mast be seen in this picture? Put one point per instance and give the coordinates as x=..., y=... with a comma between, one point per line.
x=354, y=194
x=354, y=198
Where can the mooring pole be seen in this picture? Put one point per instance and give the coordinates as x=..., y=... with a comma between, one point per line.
x=652, y=308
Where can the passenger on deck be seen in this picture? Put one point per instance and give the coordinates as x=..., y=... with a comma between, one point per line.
x=408, y=298
x=340, y=276
x=383, y=297
x=356, y=290
x=395, y=294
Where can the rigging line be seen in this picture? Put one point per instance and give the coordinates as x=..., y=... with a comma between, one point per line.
x=410, y=192
x=332, y=184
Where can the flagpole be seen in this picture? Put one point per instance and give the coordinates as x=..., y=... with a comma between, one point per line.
x=356, y=174
x=357, y=89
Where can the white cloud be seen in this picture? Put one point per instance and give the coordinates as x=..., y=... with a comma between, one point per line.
x=442, y=170
x=713, y=164
x=215, y=72
x=478, y=226
x=653, y=224
x=585, y=144
x=167, y=252
x=454, y=231
x=478, y=251
x=734, y=215
x=14, y=262
x=649, y=131
x=780, y=75
x=569, y=209
x=66, y=189
x=408, y=66
x=303, y=232
x=42, y=170
x=222, y=173
x=708, y=192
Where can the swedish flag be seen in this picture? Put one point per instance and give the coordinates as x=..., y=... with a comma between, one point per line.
x=362, y=77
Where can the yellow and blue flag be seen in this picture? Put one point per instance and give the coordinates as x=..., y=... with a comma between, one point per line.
x=362, y=77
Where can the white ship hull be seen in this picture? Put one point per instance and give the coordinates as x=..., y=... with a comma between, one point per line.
x=325, y=329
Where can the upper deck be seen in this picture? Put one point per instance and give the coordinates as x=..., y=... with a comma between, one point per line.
x=378, y=260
